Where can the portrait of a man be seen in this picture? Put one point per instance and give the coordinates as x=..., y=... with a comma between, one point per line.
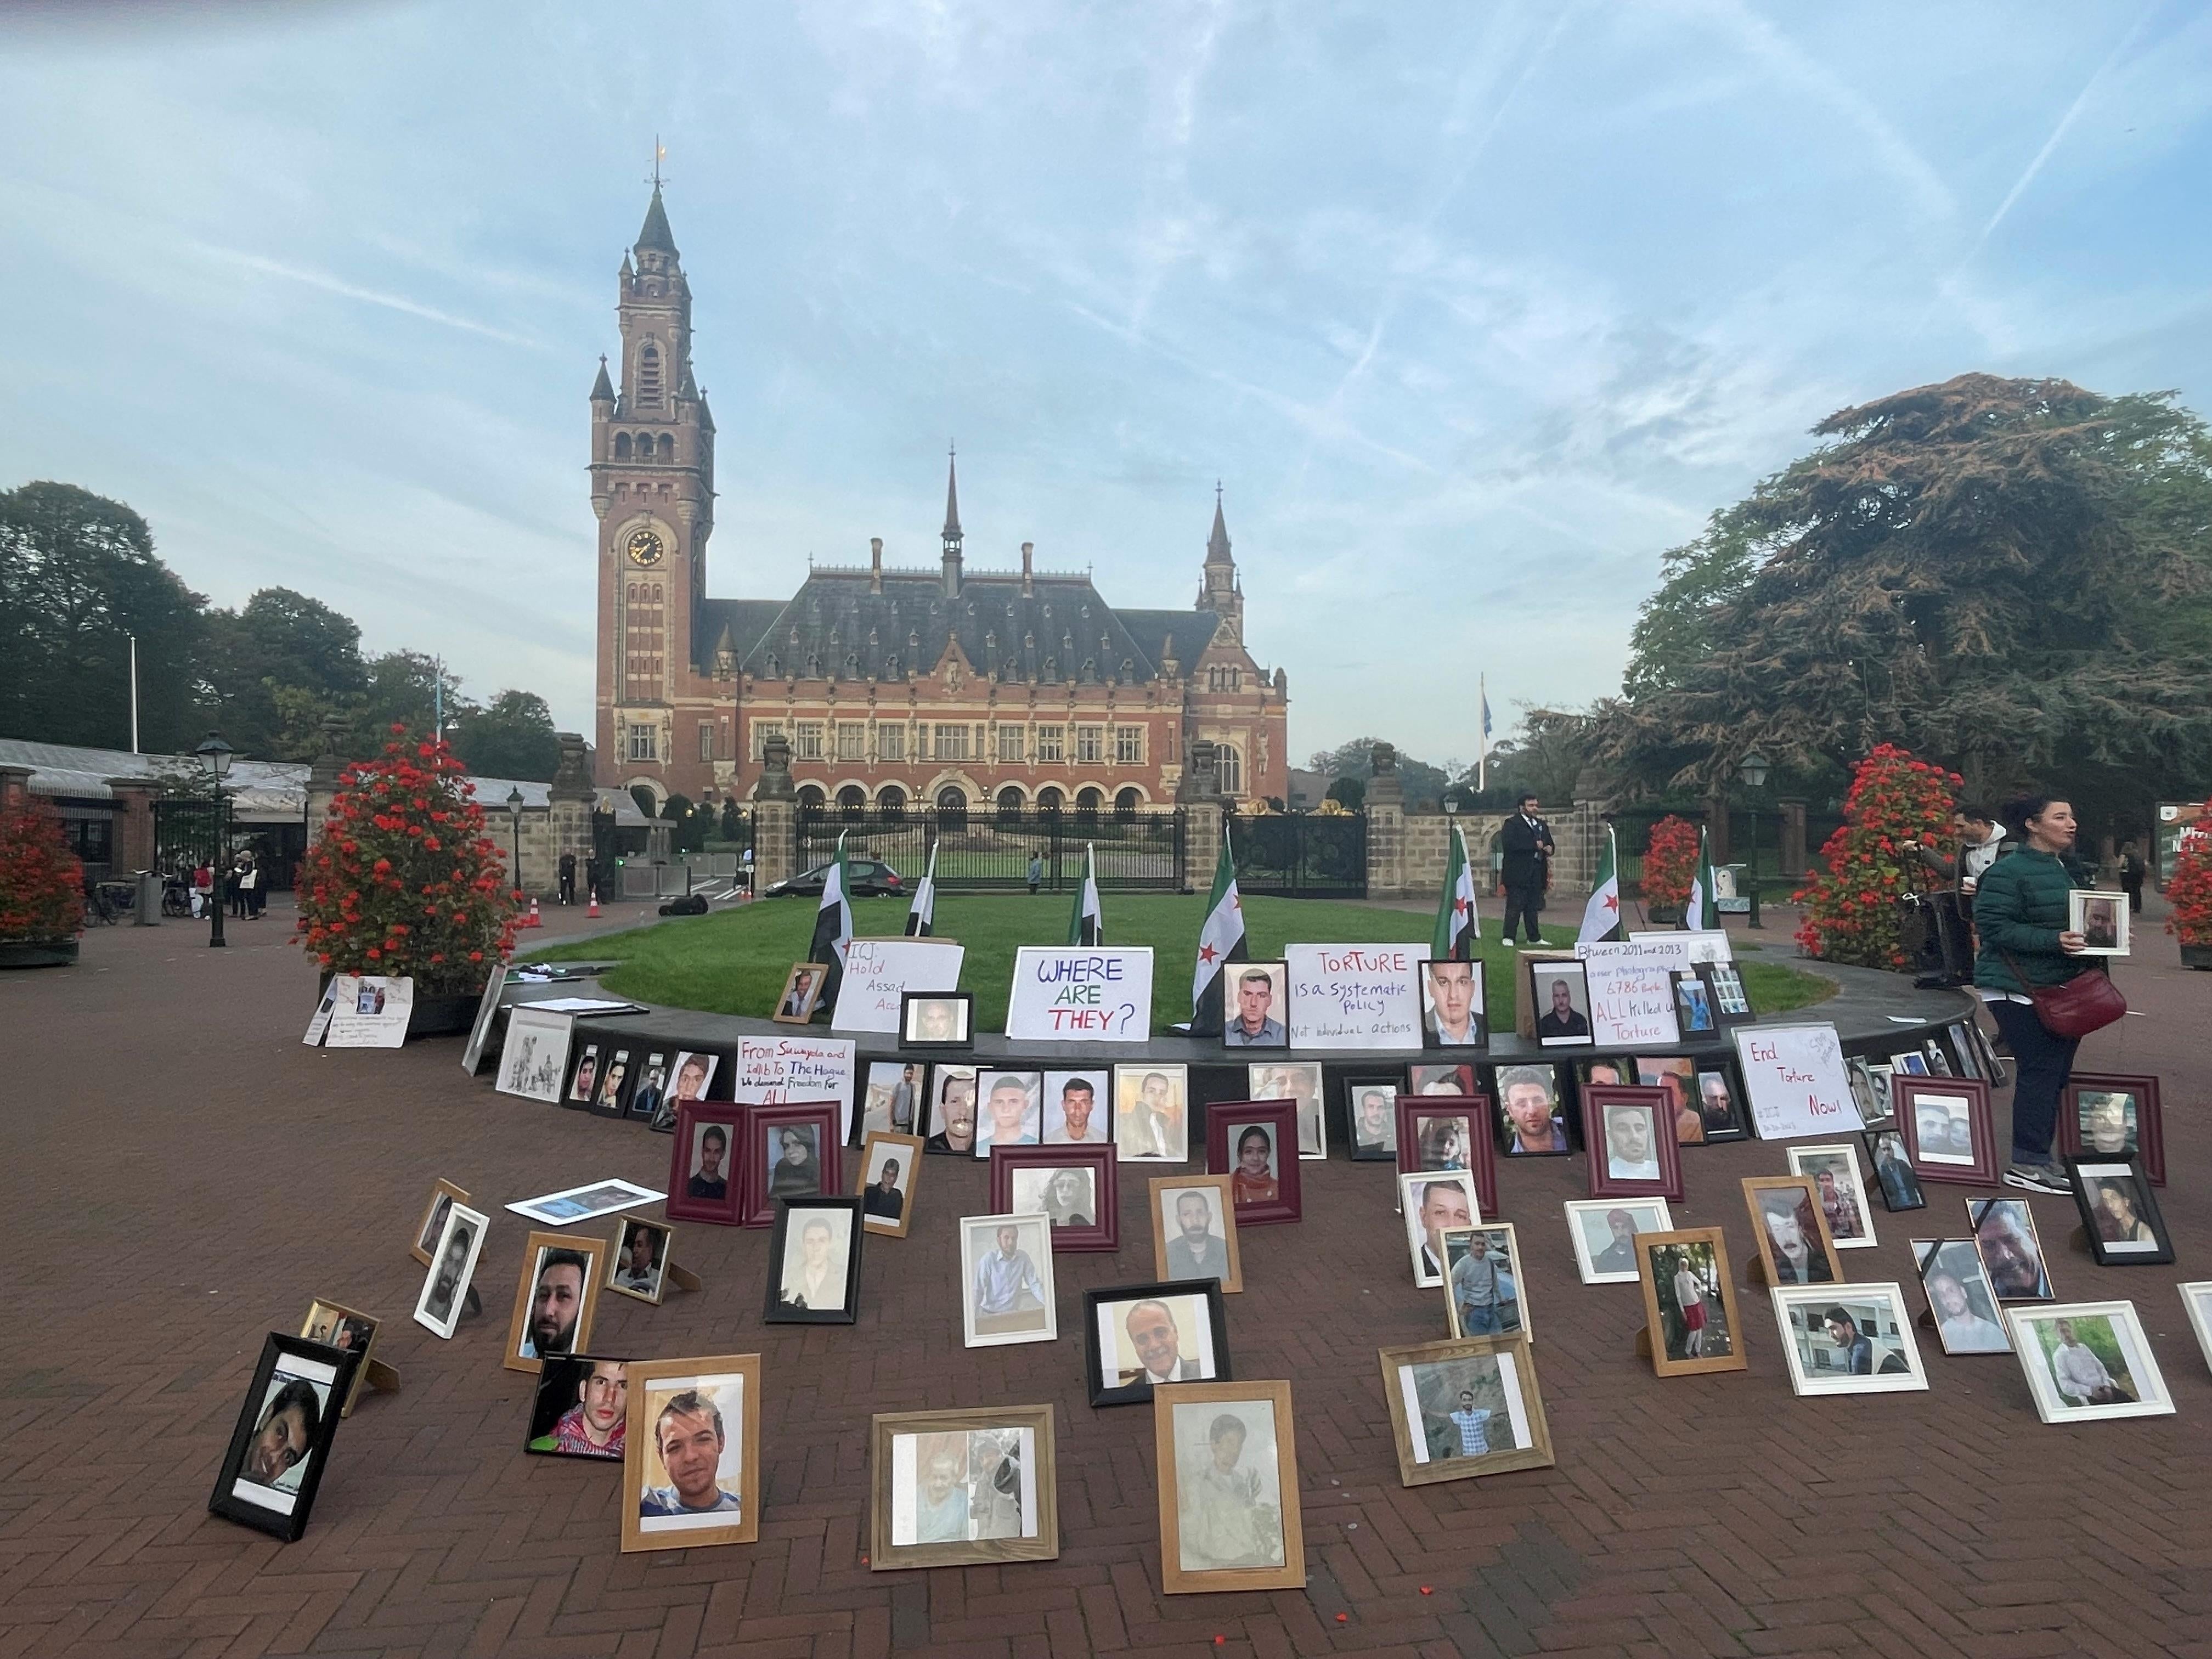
x=651, y=1093
x=2081, y=1374
x=592, y=1396
x=691, y=1441
x=639, y=1262
x=710, y=1153
x=1853, y=1348
x=277, y=1453
x=953, y=1124
x=1716, y=1104
x=1632, y=1142
x=1528, y=1102
x=798, y=993
x=1451, y=1008
x=694, y=1072
x=2108, y=1122
x=1433, y=1204
x=1485, y=1295
x=1196, y=1246
x=1563, y=998
x=814, y=1279
x=556, y=1302
x=609, y=1098
x=449, y=1274
x=884, y=1198
x=1255, y=1018
x=1153, y=1345
x=1604, y=1233
x=1150, y=1102
x=1010, y=1111
x=937, y=1020
x=1073, y=1114
x=2004, y=1234
x=1967, y=1316
x=1374, y=1117
x=1794, y=1238
x=1007, y=1295
x=1944, y=1128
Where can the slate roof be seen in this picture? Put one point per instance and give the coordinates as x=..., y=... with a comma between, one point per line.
x=656, y=233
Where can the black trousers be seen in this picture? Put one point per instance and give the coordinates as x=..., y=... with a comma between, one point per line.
x=568, y=887
x=2041, y=1065
x=1523, y=904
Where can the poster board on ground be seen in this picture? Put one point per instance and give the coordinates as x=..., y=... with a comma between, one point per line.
x=371, y=1011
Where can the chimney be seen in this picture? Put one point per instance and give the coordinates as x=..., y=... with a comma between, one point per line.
x=875, y=564
x=1029, y=585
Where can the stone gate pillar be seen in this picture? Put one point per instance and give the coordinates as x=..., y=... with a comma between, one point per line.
x=775, y=815
x=1386, y=826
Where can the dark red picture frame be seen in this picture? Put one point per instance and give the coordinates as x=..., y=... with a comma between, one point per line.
x=1282, y=1117
x=758, y=1208
x=1904, y=1094
x=725, y=1211
x=2150, y=1120
x=1104, y=1233
x=1595, y=1098
x=1481, y=1152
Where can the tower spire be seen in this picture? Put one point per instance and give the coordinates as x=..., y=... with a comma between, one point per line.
x=1216, y=544
x=1219, y=592
x=951, y=494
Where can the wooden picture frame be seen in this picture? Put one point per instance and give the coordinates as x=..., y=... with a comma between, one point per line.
x=1962, y=1102
x=286, y=1413
x=760, y=1176
x=1702, y=1253
x=540, y=1252
x=564, y=1391
x=1225, y=1262
x=690, y=1395
x=703, y=1187
x=443, y=1196
x=884, y=1146
x=1260, y=1200
x=654, y=1285
x=798, y=1221
x=1028, y=1273
x=1501, y=1247
x=1189, y=1434
x=1801, y=1213
x=1800, y=1310
x=1420, y=1380
x=2130, y=1236
x=2110, y=1330
x=1035, y=1486
x=1608, y=1105
x=923, y=1027
x=2079, y=1102
x=1011, y=1169
x=801, y=995
x=1613, y=1261
x=349, y=1331
x=1427, y=1142
x=1838, y=1161
x=1121, y=1321
x=1370, y=1136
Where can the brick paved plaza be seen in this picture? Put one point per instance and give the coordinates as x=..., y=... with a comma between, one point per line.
x=183, y=1176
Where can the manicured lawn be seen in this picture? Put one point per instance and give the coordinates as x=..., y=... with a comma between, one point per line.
x=734, y=962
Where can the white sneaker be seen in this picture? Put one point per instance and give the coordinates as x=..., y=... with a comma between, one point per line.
x=1508, y=943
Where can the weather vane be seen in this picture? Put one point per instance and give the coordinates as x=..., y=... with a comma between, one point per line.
x=660, y=155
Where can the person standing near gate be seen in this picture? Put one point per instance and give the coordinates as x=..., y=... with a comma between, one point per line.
x=1527, y=842
x=568, y=877
x=1036, y=872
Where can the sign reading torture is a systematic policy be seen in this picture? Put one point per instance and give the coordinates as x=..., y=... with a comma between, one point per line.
x=1354, y=996
x=1794, y=1077
x=1081, y=993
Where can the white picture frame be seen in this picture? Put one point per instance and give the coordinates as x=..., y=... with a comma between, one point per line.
x=1413, y=1187
x=441, y=1324
x=2032, y=1323
x=1590, y=1221
x=1813, y=1162
x=1798, y=1310
x=979, y=1238
x=2102, y=919
x=533, y=1056
x=2197, y=1302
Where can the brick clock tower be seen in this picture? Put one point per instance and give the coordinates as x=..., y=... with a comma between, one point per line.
x=652, y=488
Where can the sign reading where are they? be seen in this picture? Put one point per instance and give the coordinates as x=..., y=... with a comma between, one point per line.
x=1355, y=996
x=1081, y=993
x=1794, y=1077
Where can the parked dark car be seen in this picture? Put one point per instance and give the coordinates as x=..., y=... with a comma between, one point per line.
x=870, y=878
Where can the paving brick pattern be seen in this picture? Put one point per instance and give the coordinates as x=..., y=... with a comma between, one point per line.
x=182, y=1177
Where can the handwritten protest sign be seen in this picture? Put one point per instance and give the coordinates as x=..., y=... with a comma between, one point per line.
x=370, y=1011
x=1793, y=1075
x=1631, y=999
x=1081, y=993
x=1697, y=944
x=774, y=1070
x=877, y=970
x=1355, y=996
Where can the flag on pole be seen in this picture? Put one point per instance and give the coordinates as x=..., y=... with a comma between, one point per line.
x=1458, y=924
x=921, y=915
x=833, y=929
x=1220, y=941
x=1704, y=909
x=1088, y=925
x=1601, y=915
x=1482, y=737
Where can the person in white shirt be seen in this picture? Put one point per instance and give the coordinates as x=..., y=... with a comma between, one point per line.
x=1630, y=1151
x=1963, y=1330
x=2082, y=1377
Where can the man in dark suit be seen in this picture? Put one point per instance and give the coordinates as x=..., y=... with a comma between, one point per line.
x=1526, y=841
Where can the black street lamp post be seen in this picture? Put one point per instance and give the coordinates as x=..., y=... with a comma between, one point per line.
x=514, y=815
x=1753, y=770
x=214, y=754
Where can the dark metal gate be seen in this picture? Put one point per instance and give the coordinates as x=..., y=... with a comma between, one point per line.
x=985, y=849
x=1301, y=854
x=185, y=834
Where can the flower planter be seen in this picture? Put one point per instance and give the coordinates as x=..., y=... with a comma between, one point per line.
x=442, y=1016
x=37, y=953
x=2198, y=957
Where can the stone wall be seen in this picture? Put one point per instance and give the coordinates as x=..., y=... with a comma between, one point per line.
x=1407, y=852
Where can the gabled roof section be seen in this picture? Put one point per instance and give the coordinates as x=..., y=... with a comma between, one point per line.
x=1182, y=634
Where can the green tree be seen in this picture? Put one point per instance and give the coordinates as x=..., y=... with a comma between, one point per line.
x=1351, y=793
x=510, y=736
x=1424, y=784
x=401, y=690
x=274, y=668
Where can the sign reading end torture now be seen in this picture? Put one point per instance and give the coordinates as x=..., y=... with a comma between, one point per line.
x=1081, y=993
x=1631, y=1000
x=1793, y=1075
x=1354, y=996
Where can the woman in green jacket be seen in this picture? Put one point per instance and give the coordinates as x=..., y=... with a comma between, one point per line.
x=2021, y=913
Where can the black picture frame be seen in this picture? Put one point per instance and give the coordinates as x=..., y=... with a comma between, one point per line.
x=560, y=1384
x=612, y=1101
x=1384, y=1150
x=1566, y=1121
x=964, y=1043
x=1576, y=976
x=1103, y=1392
x=2106, y=1245
x=1695, y=1012
x=1731, y=1000
x=1900, y=1189
x=791, y=1215
x=647, y=1092
x=1734, y=1124
x=327, y=1374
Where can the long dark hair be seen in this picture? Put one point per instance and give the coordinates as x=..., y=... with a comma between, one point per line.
x=2017, y=814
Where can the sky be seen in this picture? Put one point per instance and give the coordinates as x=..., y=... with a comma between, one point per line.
x=1473, y=309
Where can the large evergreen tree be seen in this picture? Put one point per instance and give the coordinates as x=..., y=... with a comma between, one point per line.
x=511, y=737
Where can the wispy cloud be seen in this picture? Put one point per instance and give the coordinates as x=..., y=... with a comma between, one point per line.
x=345, y=290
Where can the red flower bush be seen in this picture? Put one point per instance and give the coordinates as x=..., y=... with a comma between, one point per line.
x=403, y=880
x=2190, y=891
x=1670, y=862
x=1896, y=804
x=41, y=883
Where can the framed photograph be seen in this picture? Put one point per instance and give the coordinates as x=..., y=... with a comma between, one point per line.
x=1559, y=993
x=1440, y=1079
x=1452, y=1010
x=889, y=1166
x=1370, y=1110
x=1152, y=1122
x=2119, y=1213
x=1881, y=1074
x=1676, y=1077
x=1257, y=1009
x=587, y=1203
x=1006, y=1277
x=2088, y=1360
x=963, y=1488
x=790, y=1152
x=1963, y=1048
x=704, y=1161
x=487, y=1012
x=940, y=1021
x=1893, y=1171
x=556, y=1298
x=1630, y=1131
x=1075, y=1188
x=802, y=991
x=452, y=1264
x=1939, y=1063
x=1012, y=1110
x=2011, y=1252
x=2196, y=1298
x=1254, y=1143
x=581, y=1407
x=1603, y=1233
x=349, y=1331
x=693, y=1076
x=1862, y=1096
x=1959, y=1299
x=1531, y=1111
x=1945, y=1123
x=1689, y=1303
x=443, y=1196
x=281, y=1442
x=1075, y=1109
x=1695, y=1015
x=533, y=1059
x=814, y=1262
x=1848, y=1338
x=614, y=1081
x=1720, y=1103
x=584, y=1081
x=691, y=1453
x=1431, y=1205
x=1466, y=1407
x=892, y=1097
x=1910, y=1063
x=1731, y=1003
x=639, y=1266
x=951, y=1110
x=2101, y=1114
x=1195, y=1230
x=1790, y=1231
x=1137, y=1335
x=2101, y=918
x=1300, y=1083
x=1440, y=1134
x=1229, y=1488
x=1482, y=1281
x=648, y=1095
x=1834, y=1170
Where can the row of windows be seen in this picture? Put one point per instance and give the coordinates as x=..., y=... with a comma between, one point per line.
x=644, y=745
x=1008, y=803
x=1009, y=745
x=645, y=447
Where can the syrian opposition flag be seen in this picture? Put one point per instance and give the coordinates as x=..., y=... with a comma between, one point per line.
x=1601, y=915
x=1088, y=925
x=833, y=929
x=1457, y=922
x=921, y=915
x=1220, y=942
x=1704, y=909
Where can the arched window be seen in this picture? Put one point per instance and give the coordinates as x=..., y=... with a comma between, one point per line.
x=1232, y=769
x=648, y=376
x=811, y=800
x=890, y=801
x=1126, y=803
x=1009, y=805
x=1087, y=803
x=951, y=807
x=852, y=802
x=667, y=446
x=1049, y=800
x=622, y=446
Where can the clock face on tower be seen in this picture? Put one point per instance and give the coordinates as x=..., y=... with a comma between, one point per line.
x=643, y=548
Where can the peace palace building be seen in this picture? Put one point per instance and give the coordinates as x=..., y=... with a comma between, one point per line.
x=1015, y=689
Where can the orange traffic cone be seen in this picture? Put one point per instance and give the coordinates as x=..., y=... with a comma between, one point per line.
x=532, y=919
x=594, y=910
